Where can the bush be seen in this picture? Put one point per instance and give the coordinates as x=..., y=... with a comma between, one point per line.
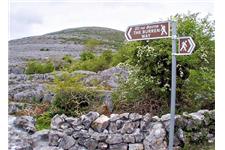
x=87, y=55
x=68, y=59
x=34, y=67
x=199, y=91
x=95, y=64
x=92, y=43
x=124, y=53
x=150, y=71
x=71, y=96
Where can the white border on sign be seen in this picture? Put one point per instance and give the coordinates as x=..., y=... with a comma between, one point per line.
x=185, y=37
x=169, y=36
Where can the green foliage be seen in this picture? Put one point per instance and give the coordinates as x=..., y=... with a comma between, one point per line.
x=202, y=32
x=43, y=121
x=124, y=53
x=199, y=90
x=87, y=55
x=92, y=43
x=200, y=146
x=150, y=68
x=71, y=96
x=95, y=64
x=68, y=59
x=38, y=67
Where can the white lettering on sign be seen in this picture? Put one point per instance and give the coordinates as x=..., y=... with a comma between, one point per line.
x=137, y=28
x=148, y=31
x=137, y=32
x=146, y=35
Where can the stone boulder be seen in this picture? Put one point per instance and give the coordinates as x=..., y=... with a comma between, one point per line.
x=27, y=123
x=156, y=139
x=109, y=77
x=89, y=118
x=138, y=146
x=101, y=123
x=114, y=139
x=18, y=138
x=67, y=142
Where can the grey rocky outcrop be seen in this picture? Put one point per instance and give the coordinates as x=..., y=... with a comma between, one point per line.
x=14, y=107
x=26, y=123
x=109, y=77
x=17, y=138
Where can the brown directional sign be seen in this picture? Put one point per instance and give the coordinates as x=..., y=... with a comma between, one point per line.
x=186, y=45
x=148, y=31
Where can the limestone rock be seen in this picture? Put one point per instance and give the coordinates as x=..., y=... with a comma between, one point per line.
x=135, y=116
x=81, y=134
x=138, y=146
x=128, y=127
x=112, y=127
x=121, y=146
x=99, y=136
x=17, y=137
x=57, y=120
x=138, y=136
x=26, y=123
x=128, y=138
x=40, y=138
x=102, y=146
x=89, y=118
x=67, y=142
x=101, y=123
x=54, y=137
x=156, y=138
x=90, y=144
x=114, y=139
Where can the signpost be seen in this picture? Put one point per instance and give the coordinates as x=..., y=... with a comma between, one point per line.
x=148, y=31
x=186, y=46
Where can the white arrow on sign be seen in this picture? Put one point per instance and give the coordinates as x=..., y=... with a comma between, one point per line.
x=128, y=33
x=186, y=45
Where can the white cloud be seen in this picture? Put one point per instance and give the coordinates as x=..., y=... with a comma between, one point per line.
x=35, y=18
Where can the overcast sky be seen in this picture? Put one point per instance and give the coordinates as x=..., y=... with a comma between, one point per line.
x=36, y=17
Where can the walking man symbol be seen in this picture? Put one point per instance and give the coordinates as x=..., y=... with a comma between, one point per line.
x=163, y=30
x=184, y=46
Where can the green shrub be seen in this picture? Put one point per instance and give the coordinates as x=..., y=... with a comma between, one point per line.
x=199, y=91
x=34, y=67
x=150, y=75
x=71, y=96
x=68, y=59
x=43, y=121
x=124, y=53
x=92, y=43
x=95, y=64
x=87, y=55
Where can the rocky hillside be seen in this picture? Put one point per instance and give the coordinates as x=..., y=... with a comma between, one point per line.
x=66, y=42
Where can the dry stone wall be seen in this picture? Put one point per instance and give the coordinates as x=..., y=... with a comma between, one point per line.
x=129, y=131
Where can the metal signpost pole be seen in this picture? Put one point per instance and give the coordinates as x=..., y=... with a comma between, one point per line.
x=173, y=90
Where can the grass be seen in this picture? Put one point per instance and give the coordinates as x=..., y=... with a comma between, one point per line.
x=34, y=67
x=43, y=121
x=202, y=146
